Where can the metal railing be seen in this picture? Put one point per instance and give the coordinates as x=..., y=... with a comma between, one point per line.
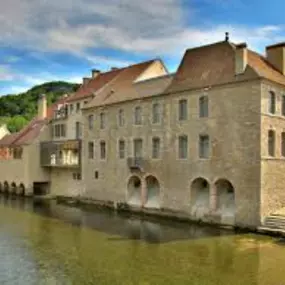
x=135, y=163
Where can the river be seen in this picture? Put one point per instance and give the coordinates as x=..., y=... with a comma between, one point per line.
x=46, y=243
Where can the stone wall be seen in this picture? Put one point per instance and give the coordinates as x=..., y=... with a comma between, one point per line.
x=272, y=168
x=234, y=129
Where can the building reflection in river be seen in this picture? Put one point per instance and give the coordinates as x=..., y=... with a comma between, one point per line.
x=125, y=226
x=84, y=247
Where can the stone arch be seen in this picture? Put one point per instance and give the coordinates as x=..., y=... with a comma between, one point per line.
x=6, y=187
x=134, y=190
x=13, y=188
x=225, y=199
x=200, y=197
x=153, y=192
x=21, y=189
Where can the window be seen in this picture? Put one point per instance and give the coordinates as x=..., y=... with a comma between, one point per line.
x=204, y=146
x=283, y=144
x=91, y=150
x=102, y=121
x=156, y=148
x=203, y=106
x=103, y=150
x=90, y=122
x=77, y=107
x=121, y=118
x=121, y=149
x=155, y=113
x=71, y=108
x=283, y=105
x=77, y=130
x=62, y=130
x=138, y=146
x=183, y=147
x=96, y=174
x=17, y=153
x=138, y=116
x=59, y=130
x=182, y=111
x=272, y=102
x=78, y=176
x=271, y=143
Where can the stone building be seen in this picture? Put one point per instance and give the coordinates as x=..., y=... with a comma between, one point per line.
x=61, y=155
x=207, y=142
x=20, y=171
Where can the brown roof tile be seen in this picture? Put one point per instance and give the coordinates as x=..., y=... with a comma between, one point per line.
x=94, y=84
x=264, y=69
x=121, y=88
x=215, y=64
x=28, y=134
x=205, y=66
x=8, y=139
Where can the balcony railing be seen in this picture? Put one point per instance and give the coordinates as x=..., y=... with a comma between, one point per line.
x=135, y=163
x=61, y=153
x=61, y=113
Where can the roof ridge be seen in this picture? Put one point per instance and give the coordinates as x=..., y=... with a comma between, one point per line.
x=262, y=57
x=27, y=128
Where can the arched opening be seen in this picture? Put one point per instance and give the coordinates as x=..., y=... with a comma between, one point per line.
x=225, y=198
x=6, y=187
x=13, y=188
x=21, y=191
x=200, y=197
x=1, y=187
x=153, y=192
x=134, y=191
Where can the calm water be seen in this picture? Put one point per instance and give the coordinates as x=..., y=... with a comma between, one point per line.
x=54, y=244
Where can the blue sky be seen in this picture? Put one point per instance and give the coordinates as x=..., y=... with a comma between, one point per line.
x=44, y=40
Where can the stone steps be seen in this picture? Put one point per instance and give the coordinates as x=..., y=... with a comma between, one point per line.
x=274, y=222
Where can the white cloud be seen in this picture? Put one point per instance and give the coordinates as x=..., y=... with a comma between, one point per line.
x=157, y=28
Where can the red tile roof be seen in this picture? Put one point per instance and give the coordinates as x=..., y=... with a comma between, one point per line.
x=264, y=69
x=121, y=87
x=215, y=64
x=94, y=84
x=8, y=139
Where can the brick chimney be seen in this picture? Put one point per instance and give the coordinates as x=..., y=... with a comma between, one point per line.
x=85, y=80
x=42, y=107
x=275, y=54
x=95, y=73
x=240, y=58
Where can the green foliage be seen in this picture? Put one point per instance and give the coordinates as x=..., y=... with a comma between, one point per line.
x=16, y=123
x=17, y=110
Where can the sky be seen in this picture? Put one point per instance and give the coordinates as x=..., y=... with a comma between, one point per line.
x=45, y=40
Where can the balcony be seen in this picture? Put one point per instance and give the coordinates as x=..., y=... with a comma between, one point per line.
x=135, y=163
x=60, y=113
x=65, y=154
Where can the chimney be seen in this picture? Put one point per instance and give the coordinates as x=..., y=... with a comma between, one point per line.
x=275, y=54
x=240, y=58
x=95, y=73
x=85, y=80
x=42, y=107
